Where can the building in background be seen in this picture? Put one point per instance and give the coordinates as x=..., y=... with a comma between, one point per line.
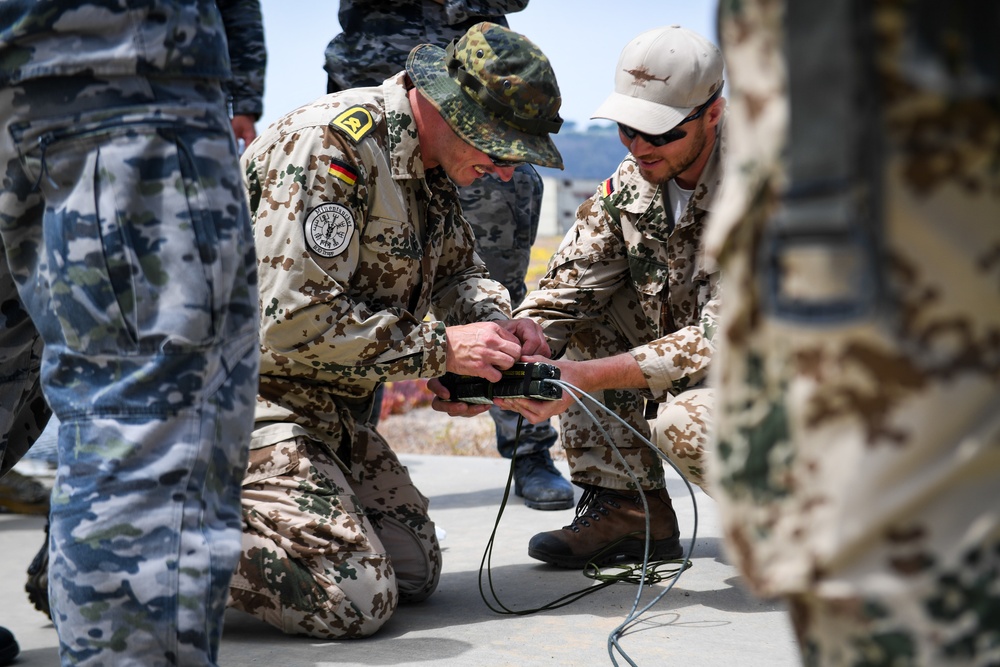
x=559, y=203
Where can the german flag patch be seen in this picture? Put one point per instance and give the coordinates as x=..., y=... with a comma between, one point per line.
x=606, y=188
x=356, y=122
x=343, y=171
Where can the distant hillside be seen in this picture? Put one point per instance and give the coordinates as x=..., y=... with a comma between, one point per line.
x=592, y=153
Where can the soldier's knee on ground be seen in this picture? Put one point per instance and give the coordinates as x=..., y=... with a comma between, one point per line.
x=314, y=604
x=681, y=431
x=362, y=610
x=416, y=563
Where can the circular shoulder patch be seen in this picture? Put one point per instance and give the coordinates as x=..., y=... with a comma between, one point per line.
x=328, y=229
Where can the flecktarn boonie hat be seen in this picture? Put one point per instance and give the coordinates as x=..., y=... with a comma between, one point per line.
x=496, y=90
x=662, y=76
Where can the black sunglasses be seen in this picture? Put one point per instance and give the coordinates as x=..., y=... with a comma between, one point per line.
x=672, y=134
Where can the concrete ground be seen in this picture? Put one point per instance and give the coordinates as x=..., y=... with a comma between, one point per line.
x=707, y=619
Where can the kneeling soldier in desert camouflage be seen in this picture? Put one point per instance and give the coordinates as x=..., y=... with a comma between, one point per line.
x=628, y=305
x=359, y=238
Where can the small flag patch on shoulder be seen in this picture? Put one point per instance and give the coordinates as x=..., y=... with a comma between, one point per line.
x=343, y=171
x=607, y=188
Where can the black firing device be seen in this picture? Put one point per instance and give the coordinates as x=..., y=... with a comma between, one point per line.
x=522, y=380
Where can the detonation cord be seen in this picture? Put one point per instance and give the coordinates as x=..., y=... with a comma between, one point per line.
x=647, y=573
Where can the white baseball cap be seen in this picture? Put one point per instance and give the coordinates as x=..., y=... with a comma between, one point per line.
x=662, y=76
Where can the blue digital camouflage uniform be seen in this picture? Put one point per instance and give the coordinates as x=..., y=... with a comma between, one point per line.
x=374, y=44
x=245, y=90
x=129, y=294
x=627, y=278
x=858, y=363
x=379, y=34
x=364, y=260
x=247, y=55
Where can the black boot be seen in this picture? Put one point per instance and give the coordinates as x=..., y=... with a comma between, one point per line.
x=37, y=586
x=8, y=647
x=540, y=484
x=610, y=527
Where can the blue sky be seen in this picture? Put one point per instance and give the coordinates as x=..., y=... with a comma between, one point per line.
x=582, y=39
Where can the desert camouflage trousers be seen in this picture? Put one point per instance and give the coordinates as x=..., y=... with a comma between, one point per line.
x=330, y=555
x=680, y=428
x=129, y=294
x=504, y=217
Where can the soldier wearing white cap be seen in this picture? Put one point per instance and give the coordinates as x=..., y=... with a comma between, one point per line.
x=628, y=305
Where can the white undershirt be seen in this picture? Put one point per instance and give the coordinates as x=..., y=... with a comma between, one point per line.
x=679, y=198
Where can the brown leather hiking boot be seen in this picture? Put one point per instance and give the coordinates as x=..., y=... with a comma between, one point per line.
x=610, y=527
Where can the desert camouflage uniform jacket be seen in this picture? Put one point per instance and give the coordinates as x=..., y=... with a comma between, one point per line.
x=634, y=254
x=356, y=242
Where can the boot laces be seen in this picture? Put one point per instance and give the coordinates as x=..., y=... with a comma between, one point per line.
x=528, y=463
x=595, y=502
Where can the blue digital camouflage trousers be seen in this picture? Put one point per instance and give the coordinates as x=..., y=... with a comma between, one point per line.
x=125, y=232
x=504, y=217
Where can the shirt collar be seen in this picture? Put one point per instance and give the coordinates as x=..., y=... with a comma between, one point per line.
x=405, y=158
